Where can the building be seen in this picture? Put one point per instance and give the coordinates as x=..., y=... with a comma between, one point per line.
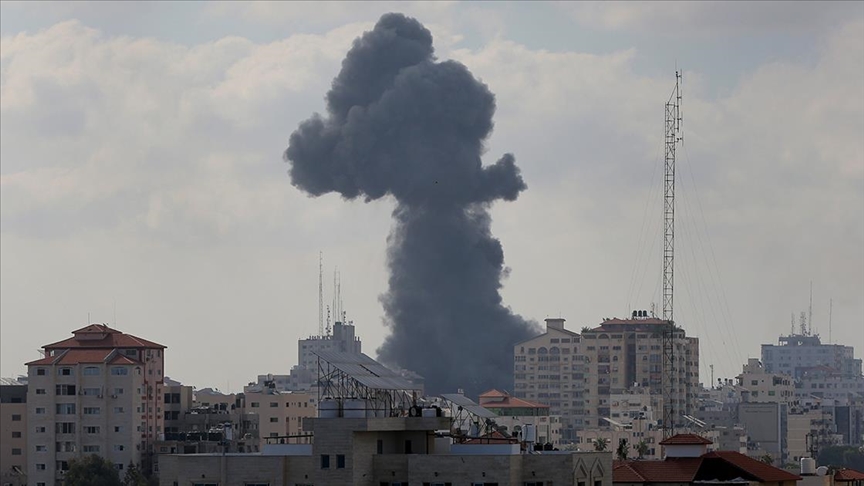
x=342, y=340
x=762, y=387
x=371, y=451
x=549, y=369
x=98, y=392
x=796, y=353
x=688, y=461
x=280, y=414
x=513, y=414
x=623, y=354
x=13, y=432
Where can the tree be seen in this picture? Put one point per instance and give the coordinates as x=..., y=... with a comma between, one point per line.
x=622, y=450
x=767, y=459
x=641, y=448
x=600, y=444
x=134, y=476
x=92, y=470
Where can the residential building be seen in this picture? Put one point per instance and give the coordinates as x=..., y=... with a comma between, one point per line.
x=98, y=392
x=549, y=369
x=796, y=353
x=761, y=386
x=280, y=414
x=688, y=462
x=403, y=450
x=515, y=413
x=623, y=354
x=13, y=432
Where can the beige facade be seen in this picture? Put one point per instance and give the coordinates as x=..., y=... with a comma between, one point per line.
x=99, y=392
x=280, y=413
x=764, y=387
x=578, y=376
x=13, y=432
x=395, y=450
x=549, y=369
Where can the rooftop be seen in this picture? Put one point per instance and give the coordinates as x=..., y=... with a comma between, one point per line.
x=711, y=467
x=100, y=336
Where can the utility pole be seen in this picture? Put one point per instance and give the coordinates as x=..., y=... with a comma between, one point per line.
x=672, y=138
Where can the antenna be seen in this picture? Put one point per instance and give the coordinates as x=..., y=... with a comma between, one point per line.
x=115, y=313
x=328, y=320
x=830, y=311
x=810, y=309
x=672, y=138
x=792, y=331
x=320, y=293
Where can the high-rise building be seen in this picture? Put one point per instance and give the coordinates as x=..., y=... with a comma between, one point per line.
x=98, y=392
x=342, y=340
x=13, y=432
x=621, y=354
x=549, y=369
x=797, y=353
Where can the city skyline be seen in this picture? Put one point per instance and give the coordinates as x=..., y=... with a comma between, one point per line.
x=142, y=174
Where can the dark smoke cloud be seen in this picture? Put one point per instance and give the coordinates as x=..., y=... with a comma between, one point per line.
x=402, y=124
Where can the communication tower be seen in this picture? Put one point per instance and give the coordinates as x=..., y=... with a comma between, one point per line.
x=320, y=293
x=673, y=137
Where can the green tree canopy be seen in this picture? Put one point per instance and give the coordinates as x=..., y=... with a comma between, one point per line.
x=600, y=444
x=92, y=470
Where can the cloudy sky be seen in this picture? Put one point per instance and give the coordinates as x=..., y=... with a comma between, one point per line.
x=142, y=180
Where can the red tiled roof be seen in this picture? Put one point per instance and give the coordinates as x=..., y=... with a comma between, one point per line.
x=497, y=399
x=758, y=469
x=686, y=439
x=846, y=475
x=112, y=338
x=79, y=356
x=678, y=470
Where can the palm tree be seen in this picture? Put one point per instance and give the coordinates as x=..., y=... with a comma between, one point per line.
x=641, y=448
x=600, y=444
x=621, y=452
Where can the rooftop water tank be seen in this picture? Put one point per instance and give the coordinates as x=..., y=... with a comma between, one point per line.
x=328, y=408
x=808, y=466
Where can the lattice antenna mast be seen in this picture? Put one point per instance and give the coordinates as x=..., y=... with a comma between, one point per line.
x=673, y=137
x=320, y=294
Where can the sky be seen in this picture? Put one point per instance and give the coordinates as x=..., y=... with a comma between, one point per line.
x=142, y=183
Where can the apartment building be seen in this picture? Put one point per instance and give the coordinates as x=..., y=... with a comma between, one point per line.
x=759, y=386
x=98, y=392
x=13, y=432
x=514, y=414
x=623, y=354
x=549, y=369
x=796, y=353
x=280, y=414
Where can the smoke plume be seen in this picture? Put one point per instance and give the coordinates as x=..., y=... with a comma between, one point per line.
x=400, y=123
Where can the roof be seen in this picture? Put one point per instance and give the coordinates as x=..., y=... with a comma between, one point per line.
x=685, y=439
x=846, y=475
x=498, y=399
x=713, y=466
x=11, y=382
x=757, y=469
x=83, y=356
x=101, y=336
x=678, y=470
x=467, y=404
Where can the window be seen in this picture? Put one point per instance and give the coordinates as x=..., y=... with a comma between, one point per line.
x=64, y=371
x=40, y=430
x=16, y=451
x=340, y=461
x=118, y=447
x=118, y=391
x=91, y=371
x=91, y=429
x=40, y=467
x=40, y=391
x=91, y=411
x=255, y=404
x=274, y=404
x=16, y=417
x=65, y=427
x=119, y=370
x=65, y=409
x=325, y=461
x=91, y=448
x=41, y=448
x=408, y=447
x=274, y=419
x=41, y=371
x=118, y=428
x=16, y=434
x=40, y=410
x=118, y=410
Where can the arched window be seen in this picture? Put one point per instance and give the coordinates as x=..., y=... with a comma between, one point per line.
x=542, y=350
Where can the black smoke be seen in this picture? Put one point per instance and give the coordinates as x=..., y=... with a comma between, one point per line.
x=401, y=123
